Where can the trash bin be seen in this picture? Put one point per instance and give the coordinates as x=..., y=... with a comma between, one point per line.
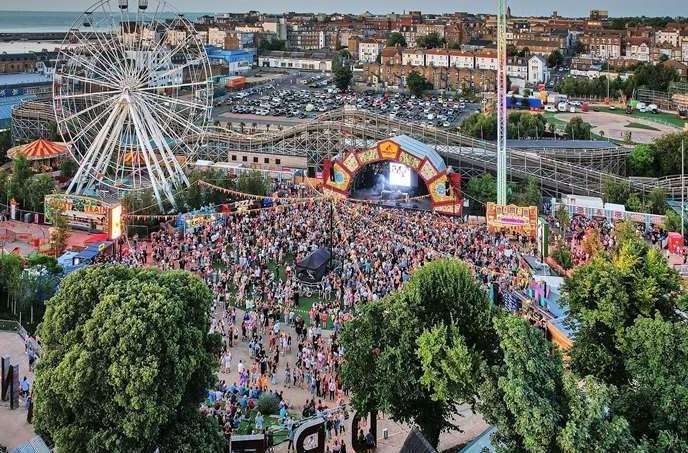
x=27, y=217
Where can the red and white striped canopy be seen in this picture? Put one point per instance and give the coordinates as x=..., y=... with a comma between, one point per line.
x=41, y=149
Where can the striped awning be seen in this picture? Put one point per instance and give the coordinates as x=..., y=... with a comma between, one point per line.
x=41, y=149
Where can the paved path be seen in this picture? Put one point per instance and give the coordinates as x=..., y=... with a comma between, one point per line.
x=14, y=430
x=471, y=424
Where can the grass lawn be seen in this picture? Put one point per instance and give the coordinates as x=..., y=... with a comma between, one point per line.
x=635, y=125
x=668, y=119
x=305, y=303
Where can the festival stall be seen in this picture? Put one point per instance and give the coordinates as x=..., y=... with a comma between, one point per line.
x=512, y=219
x=86, y=213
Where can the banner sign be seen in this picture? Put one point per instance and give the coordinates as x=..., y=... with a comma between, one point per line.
x=87, y=213
x=512, y=218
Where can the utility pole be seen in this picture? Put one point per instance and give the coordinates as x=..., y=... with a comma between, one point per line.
x=501, y=102
x=683, y=187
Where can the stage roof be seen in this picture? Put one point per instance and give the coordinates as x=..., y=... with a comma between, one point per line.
x=420, y=150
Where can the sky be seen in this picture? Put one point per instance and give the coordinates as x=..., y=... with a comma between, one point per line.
x=519, y=7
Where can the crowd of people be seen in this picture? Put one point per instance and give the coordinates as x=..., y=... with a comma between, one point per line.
x=290, y=342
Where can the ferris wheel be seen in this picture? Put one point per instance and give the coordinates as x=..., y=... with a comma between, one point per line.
x=132, y=94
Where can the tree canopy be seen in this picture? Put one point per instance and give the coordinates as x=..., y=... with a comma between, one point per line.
x=432, y=40
x=417, y=84
x=382, y=367
x=126, y=358
x=395, y=38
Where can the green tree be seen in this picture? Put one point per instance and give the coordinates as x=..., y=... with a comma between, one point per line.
x=592, y=425
x=482, y=189
x=395, y=38
x=126, y=361
x=577, y=129
x=523, y=395
x=606, y=296
x=529, y=193
x=655, y=354
x=672, y=221
x=5, y=144
x=563, y=217
x=417, y=84
x=342, y=77
x=18, y=180
x=37, y=188
x=555, y=59
x=668, y=153
x=11, y=267
x=61, y=234
x=635, y=204
x=430, y=41
x=54, y=132
x=616, y=190
x=253, y=182
x=641, y=161
x=267, y=45
x=68, y=168
x=382, y=366
x=657, y=200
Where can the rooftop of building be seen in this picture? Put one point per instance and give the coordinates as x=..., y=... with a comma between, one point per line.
x=21, y=79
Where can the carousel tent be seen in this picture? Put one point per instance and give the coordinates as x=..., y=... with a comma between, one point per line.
x=40, y=149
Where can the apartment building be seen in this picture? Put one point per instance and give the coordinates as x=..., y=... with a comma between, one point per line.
x=437, y=57
x=460, y=59
x=486, y=59
x=602, y=45
x=369, y=50
x=638, y=49
x=413, y=57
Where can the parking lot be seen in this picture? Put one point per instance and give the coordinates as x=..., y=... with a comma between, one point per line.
x=304, y=97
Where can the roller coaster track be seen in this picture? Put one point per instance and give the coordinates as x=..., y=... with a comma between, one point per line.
x=558, y=172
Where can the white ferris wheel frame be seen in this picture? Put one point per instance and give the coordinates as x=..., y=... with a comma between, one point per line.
x=119, y=101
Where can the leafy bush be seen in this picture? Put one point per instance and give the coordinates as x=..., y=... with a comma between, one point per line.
x=562, y=255
x=268, y=404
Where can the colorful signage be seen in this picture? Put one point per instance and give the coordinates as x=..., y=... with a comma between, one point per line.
x=86, y=213
x=512, y=218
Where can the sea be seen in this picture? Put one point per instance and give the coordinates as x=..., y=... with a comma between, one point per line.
x=54, y=21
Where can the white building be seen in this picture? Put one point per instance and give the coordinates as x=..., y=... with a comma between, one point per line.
x=537, y=70
x=639, y=51
x=278, y=27
x=517, y=68
x=459, y=59
x=216, y=37
x=314, y=61
x=486, y=60
x=438, y=58
x=672, y=37
x=175, y=37
x=413, y=57
x=368, y=50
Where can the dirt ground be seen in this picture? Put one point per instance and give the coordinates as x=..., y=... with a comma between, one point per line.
x=614, y=125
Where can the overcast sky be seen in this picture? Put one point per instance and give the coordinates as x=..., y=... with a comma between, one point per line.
x=520, y=7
